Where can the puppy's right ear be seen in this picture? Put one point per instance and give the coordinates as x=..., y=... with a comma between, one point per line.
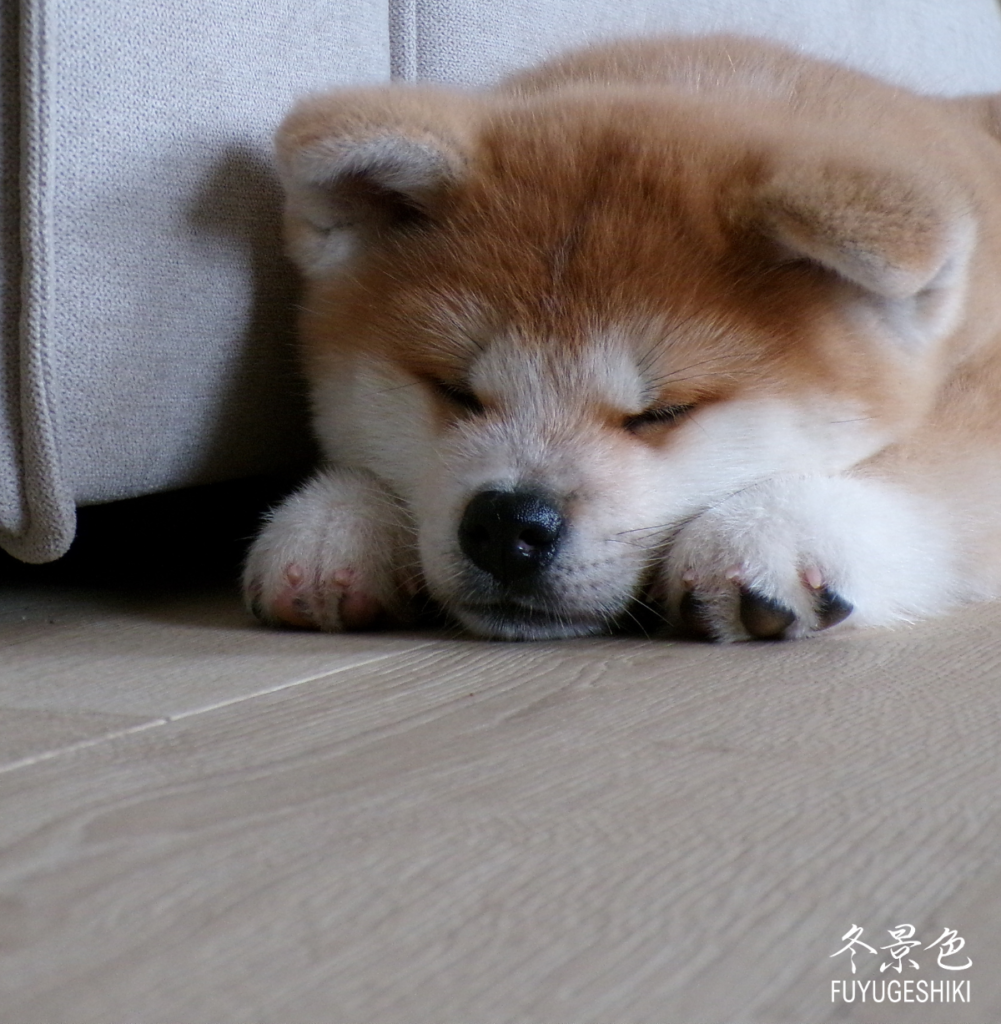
x=358, y=164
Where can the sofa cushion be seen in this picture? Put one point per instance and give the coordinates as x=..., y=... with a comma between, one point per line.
x=145, y=301
x=153, y=347
x=948, y=48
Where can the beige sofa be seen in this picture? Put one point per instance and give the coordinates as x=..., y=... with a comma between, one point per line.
x=144, y=298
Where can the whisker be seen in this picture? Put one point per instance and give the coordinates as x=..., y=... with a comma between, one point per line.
x=640, y=626
x=641, y=529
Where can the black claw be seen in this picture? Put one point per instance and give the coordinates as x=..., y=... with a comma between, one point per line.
x=693, y=617
x=763, y=618
x=254, y=603
x=832, y=608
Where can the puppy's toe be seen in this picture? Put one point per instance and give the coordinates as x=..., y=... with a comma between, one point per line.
x=357, y=608
x=339, y=602
x=735, y=611
x=763, y=618
x=290, y=605
x=283, y=600
x=324, y=560
x=831, y=608
x=694, y=618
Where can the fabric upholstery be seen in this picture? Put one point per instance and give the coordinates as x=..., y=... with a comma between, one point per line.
x=12, y=494
x=144, y=300
x=154, y=337
x=929, y=45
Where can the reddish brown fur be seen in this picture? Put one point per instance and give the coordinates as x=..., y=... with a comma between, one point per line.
x=567, y=193
x=659, y=182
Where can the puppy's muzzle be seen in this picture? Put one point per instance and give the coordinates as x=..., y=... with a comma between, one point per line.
x=511, y=535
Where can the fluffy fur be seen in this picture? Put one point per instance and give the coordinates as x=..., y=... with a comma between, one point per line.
x=699, y=326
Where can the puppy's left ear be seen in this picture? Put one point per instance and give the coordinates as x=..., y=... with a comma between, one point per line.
x=904, y=240
x=360, y=164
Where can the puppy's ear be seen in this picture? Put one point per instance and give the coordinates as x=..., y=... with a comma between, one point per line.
x=358, y=164
x=905, y=241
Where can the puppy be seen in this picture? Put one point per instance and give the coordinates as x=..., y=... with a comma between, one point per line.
x=696, y=326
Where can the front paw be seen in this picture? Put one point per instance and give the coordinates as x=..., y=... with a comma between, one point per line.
x=332, y=557
x=794, y=556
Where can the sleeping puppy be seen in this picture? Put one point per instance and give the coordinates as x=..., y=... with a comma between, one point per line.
x=700, y=326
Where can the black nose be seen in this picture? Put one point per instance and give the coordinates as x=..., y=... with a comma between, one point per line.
x=510, y=534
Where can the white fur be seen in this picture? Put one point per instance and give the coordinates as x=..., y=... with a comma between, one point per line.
x=762, y=486
x=888, y=553
x=758, y=484
x=919, y=320
x=330, y=230
x=369, y=415
x=766, y=460
x=628, y=498
x=342, y=534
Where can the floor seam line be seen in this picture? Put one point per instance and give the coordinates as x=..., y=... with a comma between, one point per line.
x=180, y=716
x=161, y=720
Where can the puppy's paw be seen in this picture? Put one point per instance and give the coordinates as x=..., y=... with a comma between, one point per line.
x=796, y=555
x=332, y=557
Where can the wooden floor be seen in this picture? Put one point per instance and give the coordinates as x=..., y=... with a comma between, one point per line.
x=205, y=822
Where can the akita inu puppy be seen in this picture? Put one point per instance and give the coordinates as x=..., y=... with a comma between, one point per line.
x=696, y=325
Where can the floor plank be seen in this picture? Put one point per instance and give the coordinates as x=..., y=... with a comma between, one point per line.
x=588, y=831
x=79, y=664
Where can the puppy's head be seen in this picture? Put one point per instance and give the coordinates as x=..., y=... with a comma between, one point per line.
x=558, y=326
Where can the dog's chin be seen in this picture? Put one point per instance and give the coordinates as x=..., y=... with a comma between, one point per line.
x=509, y=620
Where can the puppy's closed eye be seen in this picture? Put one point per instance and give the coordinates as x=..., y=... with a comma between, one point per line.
x=456, y=393
x=656, y=415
